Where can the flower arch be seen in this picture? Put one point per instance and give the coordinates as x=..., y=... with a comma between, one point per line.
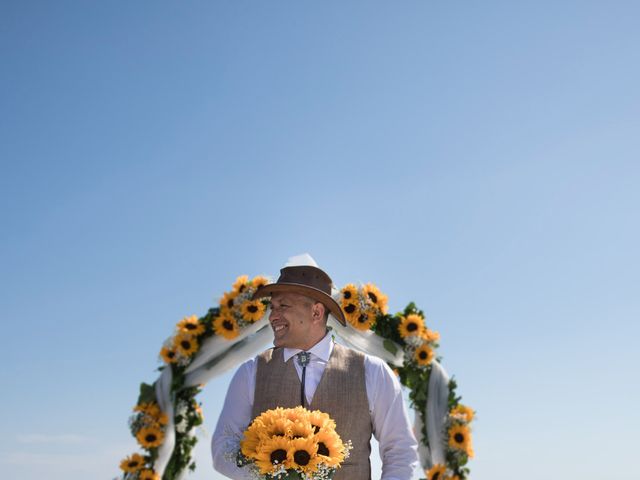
x=202, y=348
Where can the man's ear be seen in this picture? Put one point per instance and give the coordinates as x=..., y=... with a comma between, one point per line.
x=317, y=311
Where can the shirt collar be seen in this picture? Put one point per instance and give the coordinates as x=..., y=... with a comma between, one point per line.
x=322, y=349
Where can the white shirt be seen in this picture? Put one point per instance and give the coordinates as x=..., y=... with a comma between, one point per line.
x=391, y=426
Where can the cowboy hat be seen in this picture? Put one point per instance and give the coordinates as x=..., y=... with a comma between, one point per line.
x=305, y=280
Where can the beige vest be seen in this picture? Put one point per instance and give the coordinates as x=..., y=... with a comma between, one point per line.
x=341, y=393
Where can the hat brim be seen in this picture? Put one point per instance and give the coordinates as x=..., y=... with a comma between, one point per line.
x=316, y=294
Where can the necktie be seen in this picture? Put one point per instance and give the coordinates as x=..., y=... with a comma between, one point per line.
x=303, y=360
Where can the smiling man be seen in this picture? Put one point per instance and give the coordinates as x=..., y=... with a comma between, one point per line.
x=307, y=368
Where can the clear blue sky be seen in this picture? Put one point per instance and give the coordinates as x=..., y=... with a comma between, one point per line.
x=480, y=159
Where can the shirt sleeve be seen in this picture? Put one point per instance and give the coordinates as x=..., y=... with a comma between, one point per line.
x=391, y=425
x=233, y=420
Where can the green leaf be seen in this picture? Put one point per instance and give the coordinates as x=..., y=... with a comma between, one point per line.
x=147, y=394
x=390, y=346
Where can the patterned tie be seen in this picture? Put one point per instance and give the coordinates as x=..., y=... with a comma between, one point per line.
x=303, y=360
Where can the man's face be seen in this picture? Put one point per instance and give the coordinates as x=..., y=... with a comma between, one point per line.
x=292, y=321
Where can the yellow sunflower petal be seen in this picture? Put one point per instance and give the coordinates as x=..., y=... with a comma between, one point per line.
x=148, y=475
x=259, y=281
x=241, y=283
x=191, y=325
x=226, y=326
x=423, y=355
x=349, y=292
x=252, y=310
x=460, y=437
x=464, y=412
x=375, y=296
x=132, y=463
x=168, y=355
x=228, y=300
x=273, y=453
x=330, y=447
x=303, y=453
x=437, y=472
x=186, y=344
x=412, y=324
x=150, y=437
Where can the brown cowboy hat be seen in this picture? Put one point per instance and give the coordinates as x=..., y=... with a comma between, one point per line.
x=305, y=280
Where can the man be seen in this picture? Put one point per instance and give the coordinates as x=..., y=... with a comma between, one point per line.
x=358, y=391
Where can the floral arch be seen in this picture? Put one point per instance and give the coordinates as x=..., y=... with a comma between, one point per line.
x=202, y=348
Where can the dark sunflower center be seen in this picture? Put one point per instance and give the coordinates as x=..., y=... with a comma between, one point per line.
x=458, y=437
x=191, y=326
x=133, y=464
x=362, y=319
x=436, y=476
x=301, y=457
x=186, y=344
x=278, y=456
x=252, y=308
x=230, y=303
x=322, y=449
x=227, y=325
x=316, y=429
x=373, y=297
x=412, y=327
x=150, y=437
x=347, y=295
x=350, y=308
x=423, y=355
x=241, y=289
x=171, y=354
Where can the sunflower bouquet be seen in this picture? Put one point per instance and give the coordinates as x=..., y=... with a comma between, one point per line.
x=292, y=444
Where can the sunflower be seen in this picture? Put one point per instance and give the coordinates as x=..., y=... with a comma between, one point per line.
x=227, y=300
x=252, y=437
x=437, y=472
x=226, y=326
x=150, y=408
x=302, y=429
x=241, y=283
x=412, y=324
x=186, y=344
x=198, y=409
x=168, y=355
x=278, y=427
x=460, y=438
x=321, y=421
x=423, y=355
x=191, y=325
x=351, y=311
x=259, y=281
x=252, y=310
x=466, y=413
x=375, y=296
x=430, y=335
x=150, y=437
x=132, y=463
x=330, y=447
x=349, y=292
x=296, y=414
x=364, y=320
x=272, y=453
x=304, y=454
x=148, y=475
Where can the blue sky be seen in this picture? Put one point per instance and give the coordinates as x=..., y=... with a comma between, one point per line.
x=478, y=159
